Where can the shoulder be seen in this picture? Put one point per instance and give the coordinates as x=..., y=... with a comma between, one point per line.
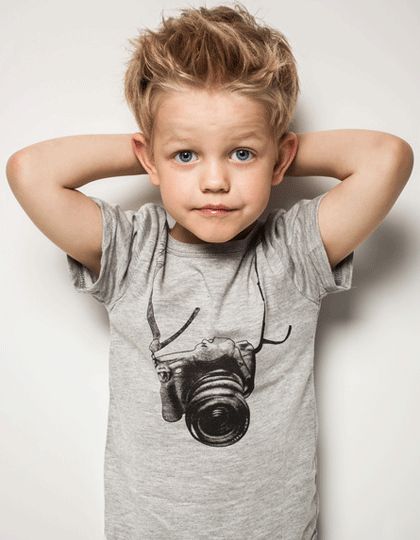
x=150, y=214
x=299, y=221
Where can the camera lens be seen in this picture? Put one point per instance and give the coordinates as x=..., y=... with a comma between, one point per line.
x=216, y=411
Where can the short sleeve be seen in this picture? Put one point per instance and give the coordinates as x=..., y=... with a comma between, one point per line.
x=307, y=258
x=118, y=237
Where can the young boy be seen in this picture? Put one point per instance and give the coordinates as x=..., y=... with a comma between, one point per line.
x=212, y=429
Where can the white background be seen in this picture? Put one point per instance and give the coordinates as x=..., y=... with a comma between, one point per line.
x=62, y=67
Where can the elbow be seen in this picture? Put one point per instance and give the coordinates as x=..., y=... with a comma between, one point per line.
x=15, y=167
x=402, y=149
x=398, y=158
x=407, y=153
x=404, y=155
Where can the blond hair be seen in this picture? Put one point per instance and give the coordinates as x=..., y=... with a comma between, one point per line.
x=219, y=48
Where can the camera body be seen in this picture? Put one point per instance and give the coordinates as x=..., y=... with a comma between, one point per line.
x=209, y=384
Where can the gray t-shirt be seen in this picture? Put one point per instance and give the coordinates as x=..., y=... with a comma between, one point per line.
x=212, y=426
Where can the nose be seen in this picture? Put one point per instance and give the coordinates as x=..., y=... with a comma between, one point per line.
x=214, y=177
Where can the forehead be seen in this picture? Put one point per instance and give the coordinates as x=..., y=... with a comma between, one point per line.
x=192, y=113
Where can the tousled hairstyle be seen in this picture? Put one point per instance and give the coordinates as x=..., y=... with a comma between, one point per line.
x=219, y=48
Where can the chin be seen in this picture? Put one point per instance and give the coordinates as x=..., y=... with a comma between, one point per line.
x=215, y=235
x=220, y=239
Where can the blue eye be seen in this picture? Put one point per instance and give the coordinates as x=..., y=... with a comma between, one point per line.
x=243, y=150
x=183, y=153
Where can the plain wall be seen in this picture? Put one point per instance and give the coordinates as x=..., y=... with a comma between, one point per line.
x=62, y=67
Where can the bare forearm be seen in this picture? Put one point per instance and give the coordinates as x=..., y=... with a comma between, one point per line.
x=337, y=153
x=76, y=160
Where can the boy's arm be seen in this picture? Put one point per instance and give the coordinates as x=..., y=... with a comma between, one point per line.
x=373, y=167
x=44, y=177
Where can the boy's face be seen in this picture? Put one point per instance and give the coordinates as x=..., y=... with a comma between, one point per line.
x=213, y=148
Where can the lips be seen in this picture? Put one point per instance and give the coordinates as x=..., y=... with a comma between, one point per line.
x=215, y=207
x=215, y=210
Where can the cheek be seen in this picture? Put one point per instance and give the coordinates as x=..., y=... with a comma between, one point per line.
x=179, y=185
x=255, y=189
x=173, y=193
x=257, y=196
x=175, y=189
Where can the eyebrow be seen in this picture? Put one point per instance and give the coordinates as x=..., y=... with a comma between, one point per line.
x=253, y=134
x=174, y=137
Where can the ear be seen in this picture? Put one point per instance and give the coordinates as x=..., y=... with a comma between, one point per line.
x=142, y=149
x=286, y=154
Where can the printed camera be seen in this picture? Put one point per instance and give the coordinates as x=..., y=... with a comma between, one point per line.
x=209, y=384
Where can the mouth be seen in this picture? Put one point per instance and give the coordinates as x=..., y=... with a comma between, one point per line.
x=210, y=211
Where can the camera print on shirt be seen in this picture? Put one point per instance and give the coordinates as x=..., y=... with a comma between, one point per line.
x=209, y=382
